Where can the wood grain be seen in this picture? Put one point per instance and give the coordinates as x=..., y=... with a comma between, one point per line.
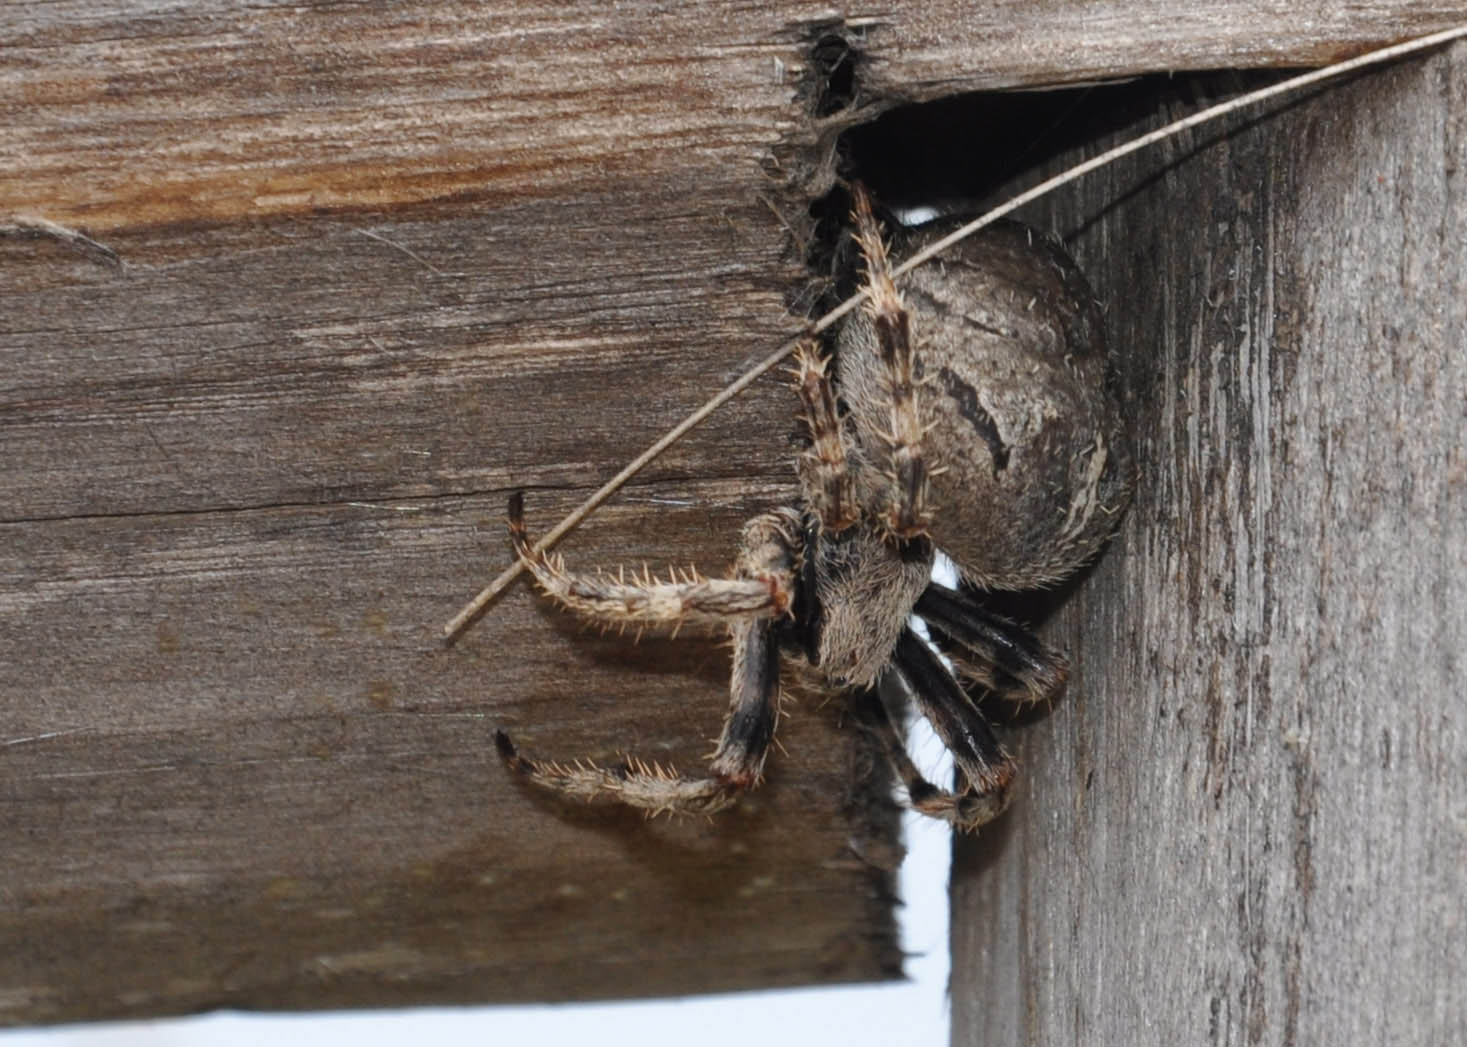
x=213, y=113
x=376, y=268
x=1248, y=821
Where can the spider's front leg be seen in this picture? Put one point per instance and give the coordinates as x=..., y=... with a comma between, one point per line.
x=907, y=514
x=747, y=605
x=646, y=601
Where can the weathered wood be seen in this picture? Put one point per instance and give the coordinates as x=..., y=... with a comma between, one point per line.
x=377, y=270
x=213, y=113
x=1246, y=822
x=235, y=741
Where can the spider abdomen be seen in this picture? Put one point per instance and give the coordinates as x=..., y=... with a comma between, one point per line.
x=1027, y=454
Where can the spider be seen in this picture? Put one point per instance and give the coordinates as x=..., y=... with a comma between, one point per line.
x=978, y=420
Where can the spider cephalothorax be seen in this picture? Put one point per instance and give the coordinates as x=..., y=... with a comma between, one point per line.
x=977, y=420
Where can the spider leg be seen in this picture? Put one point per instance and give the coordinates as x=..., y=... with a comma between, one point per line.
x=989, y=770
x=623, y=600
x=872, y=712
x=636, y=783
x=738, y=764
x=768, y=551
x=989, y=649
x=824, y=468
x=907, y=514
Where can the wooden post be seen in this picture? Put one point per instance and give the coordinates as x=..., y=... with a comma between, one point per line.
x=365, y=273
x=1248, y=821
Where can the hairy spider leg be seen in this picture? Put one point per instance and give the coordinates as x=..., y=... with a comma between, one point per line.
x=635, y=783
x=989, y=770
x=748, y=731
x=825, y=467
x=907, y=515
x=992, y=651
x=922, y=796
x=767, y=552
x=645, y=600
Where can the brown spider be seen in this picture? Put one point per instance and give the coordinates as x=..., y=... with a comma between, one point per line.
x=1006, y=396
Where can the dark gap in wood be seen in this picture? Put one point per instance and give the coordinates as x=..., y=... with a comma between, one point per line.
x=833, y=60
x=969, y=152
